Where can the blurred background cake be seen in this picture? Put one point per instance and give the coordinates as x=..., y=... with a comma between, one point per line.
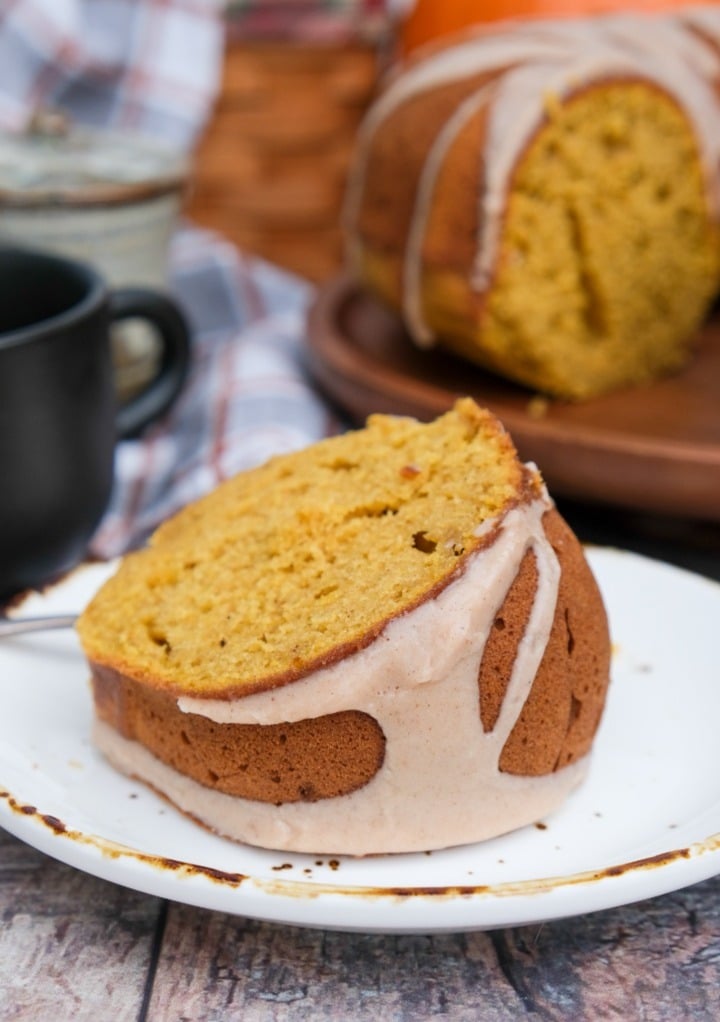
x=540, y=194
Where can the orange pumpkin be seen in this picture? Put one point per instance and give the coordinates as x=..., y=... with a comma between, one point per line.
x=430, y=19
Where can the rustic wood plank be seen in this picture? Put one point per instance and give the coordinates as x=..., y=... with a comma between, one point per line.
x=75, y=947
x=214, y=967
x=71, y=946
x=659, y=961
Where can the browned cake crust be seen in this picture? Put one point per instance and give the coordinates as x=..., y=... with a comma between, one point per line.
x=295, y=762
x=562, y=712
x=404, y=141
x=338, y=753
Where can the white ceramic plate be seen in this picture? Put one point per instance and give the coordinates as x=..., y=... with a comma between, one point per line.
x=646, y=821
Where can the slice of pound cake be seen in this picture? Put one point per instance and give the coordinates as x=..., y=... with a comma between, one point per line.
x=387, y=642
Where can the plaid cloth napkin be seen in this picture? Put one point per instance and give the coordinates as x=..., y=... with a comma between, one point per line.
x=153, y=66
x=147, y=66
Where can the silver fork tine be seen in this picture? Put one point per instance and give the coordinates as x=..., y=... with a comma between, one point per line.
x=20, y=625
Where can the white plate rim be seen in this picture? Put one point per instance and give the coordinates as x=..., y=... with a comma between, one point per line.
x=362, y=909
x=367, y=907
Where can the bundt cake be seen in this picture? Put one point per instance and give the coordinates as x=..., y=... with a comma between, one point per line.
x=542, y=197
x=389, y=641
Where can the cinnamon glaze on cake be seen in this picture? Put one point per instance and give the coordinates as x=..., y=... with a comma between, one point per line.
x=464, y=709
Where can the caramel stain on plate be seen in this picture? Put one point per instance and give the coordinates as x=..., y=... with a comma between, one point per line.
x=53, y=823
x=661, y=859
x=304, y=890
x=451, y=891
x=116, y=851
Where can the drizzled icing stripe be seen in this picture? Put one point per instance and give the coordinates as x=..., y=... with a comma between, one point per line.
x=440, y=783
x=533, y=643
x=412, y=270
x=678, y=53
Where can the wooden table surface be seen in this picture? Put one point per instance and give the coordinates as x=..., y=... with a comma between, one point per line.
x=73, y=947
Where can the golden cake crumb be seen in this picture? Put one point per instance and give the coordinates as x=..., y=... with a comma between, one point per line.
x=251, y=585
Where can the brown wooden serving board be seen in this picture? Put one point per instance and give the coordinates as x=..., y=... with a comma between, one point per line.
x=653, y=448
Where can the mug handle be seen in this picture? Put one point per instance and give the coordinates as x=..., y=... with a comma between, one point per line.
x=166, y=317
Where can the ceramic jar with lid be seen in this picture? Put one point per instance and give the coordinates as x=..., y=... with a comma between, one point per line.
x=110, y=199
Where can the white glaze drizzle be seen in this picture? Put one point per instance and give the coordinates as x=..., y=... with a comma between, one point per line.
x=412, y=266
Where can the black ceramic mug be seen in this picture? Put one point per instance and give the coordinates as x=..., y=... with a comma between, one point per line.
x=59, y=415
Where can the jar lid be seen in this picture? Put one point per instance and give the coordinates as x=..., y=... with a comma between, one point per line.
x=55, y=164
